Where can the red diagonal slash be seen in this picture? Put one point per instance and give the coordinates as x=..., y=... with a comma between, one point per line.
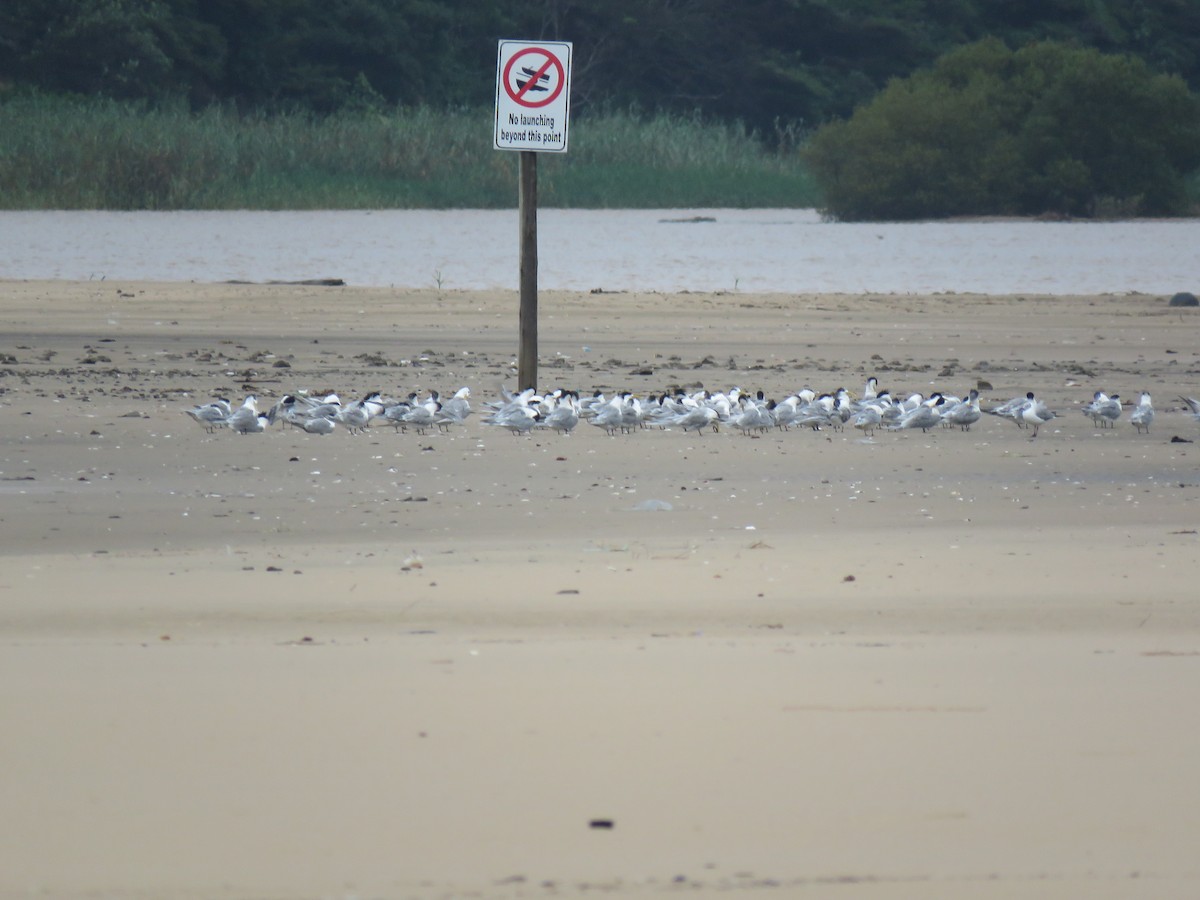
x=533, y=79
x=524, y=96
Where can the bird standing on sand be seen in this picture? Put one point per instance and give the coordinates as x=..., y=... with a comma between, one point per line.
x=424, y=415
x=246, y=419
x=455, y=410
x=516, y=412
x=965, y=413
x=1104, y=410
x=1035, y=413
x=355, y=417
x=211, y=416
x=925, y=416
x=1143, y=414
x=563, y=413
x=866, y=419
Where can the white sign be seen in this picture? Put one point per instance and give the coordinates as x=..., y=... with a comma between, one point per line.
x=533, y=96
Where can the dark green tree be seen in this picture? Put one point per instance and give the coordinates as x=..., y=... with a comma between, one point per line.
x=1048, y=128
x=111, y=47
x=328, y=54
x=757, y=61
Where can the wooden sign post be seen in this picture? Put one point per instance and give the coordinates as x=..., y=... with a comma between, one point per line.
x=527, y=355
x=533, y=103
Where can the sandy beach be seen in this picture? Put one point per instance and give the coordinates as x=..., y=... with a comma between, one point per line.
x=472, y=664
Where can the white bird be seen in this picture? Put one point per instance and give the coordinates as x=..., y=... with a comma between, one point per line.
x=527, y=397
x=355, y=417
x=752, y=415
x=246, y=419
x=949, y=401
x=817, y=412
x=316, y=425
x=866, y=419
x=662, y=409
x=1143, y=413
x=283, y=408
x=293, y=410
x=621, y=413
x=721, y=403
x=517, y=419
x=870, y=391
x=965, y=413
x=563, y=414
x=842, y=410
x=455, y=410
x=879, y=403
x=688, y=413
x=1103, y=410
x=1035, y=413
x=211, y=416
x=787, y=412
x=516, y=412
x=589, y=405
x=394, y=413
x=329, y=405
x=698, y=419
x=925, y=416
x=423, y=415
x=1011, y=409
x=373, y=404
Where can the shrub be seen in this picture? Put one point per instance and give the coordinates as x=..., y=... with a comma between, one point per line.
x=1048, y=128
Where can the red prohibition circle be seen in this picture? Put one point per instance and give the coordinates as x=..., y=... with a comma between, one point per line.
x=521, y=95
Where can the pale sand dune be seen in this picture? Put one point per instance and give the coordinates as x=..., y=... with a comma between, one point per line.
x=395, y=665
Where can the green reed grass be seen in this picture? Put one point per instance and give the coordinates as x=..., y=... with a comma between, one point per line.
x=58, y=153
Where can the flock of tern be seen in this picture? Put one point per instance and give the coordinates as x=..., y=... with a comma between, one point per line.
x=623, y=413
x=324, y=414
